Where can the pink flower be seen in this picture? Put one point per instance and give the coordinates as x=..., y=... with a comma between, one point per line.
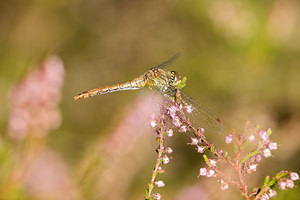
x=272, y=193
x=168, y=150
x=165, y=159
x=200, y=149
x=272, y=145
x=251, y=138
x=159, y=183
x=157, y=196
x=189, y=109
x=258, y=158
x=224, y=185
x=252, y=167
x=203, y=172
x=176, y=121
x=212, y=162
x=153, y=124
x=201, y=130
x=170, y=133
x=264, y=196
x=195, y=141
x=267, y=153
x=172, y=111
x=210, y=173
x=289, y=183
x=183, y=129
x=228, y=139
x=281, y=185
x=294, y=176
x=264, y=135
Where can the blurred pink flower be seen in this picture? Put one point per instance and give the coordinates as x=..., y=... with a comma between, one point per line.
x=34, y=101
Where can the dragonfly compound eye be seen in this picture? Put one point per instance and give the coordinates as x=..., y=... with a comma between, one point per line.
x=174, y=78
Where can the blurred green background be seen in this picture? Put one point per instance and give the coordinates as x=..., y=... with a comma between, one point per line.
x=241, y=58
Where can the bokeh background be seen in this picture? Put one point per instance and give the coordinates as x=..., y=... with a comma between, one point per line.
x=241, y=60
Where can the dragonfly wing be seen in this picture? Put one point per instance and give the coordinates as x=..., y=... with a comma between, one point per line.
x=168, y=62
x=201, y=117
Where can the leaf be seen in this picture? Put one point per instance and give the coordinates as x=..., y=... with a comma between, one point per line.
x=269, y=132
x=206, y=160
x=266, y=181
x=182, y=83
x=248, y=156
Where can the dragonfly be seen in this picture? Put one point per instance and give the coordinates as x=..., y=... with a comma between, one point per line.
x=165, y=82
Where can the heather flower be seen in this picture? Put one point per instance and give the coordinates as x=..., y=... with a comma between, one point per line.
x=168, y=150
x=224, y=185
x=251, y=138
x=272, y=145
x=289, y=183
x=195, y=141
x=264, y=196
x=153, y=124
x=272, y=193
x=228, y=139
x=264, y=135
x=200, y=149
x=210, y=173
x=212, y=162
x=252, y=167
x=176, y=121
x=294, y=176
x=172, y=111
x=201, y=130
x=267, y=153
x=203, y=172
x=159, y=183
x=165, y=159
x=183, y=129
x=170, y=133
x=258, y=158
x=281, y=185
x=157, y=196
x=189, y=109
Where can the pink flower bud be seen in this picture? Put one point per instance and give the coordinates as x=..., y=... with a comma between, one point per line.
x=157, y=196
x=212, y=162
x=153, y=124
x=168, y=150
x=294, y=176
x=272, y=145
x=267, y=153
x=189, y=109
x=272, y=193
x=203, y=172
x=200, y=149
x=251, y=138
x=224, y=185
x=264, y=135
x=281, y=185
x=228, y=139
x=183, y=129
x=195, y=141
x=252, y=167
x=165, y=159
x=170, y=133
x=159, y=183
x=264, y=196
x=210, y=173
x=289, y=183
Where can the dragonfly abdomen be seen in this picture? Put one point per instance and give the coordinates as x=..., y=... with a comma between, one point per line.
x=129, y=85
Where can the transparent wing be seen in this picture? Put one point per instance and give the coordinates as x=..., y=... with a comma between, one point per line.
x=167, y=62
x=201, y=117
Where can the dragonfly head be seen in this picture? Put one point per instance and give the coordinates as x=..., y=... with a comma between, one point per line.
x=174, y=79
